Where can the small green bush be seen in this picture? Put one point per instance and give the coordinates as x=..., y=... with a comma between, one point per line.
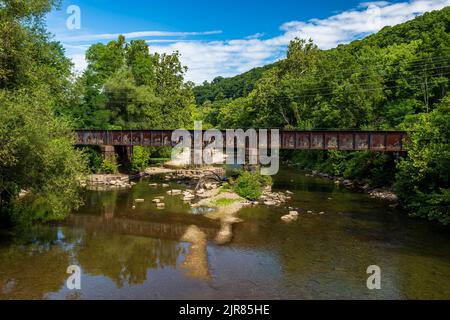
x=225, y=202
x=140, y=159
x=109, y=167
x=249, y=185
x=94, y=157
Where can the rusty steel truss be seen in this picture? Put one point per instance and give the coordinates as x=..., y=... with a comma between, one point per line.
x=345, y=140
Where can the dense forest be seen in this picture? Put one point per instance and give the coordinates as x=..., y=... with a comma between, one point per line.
x=395, y=79
x=229, y=88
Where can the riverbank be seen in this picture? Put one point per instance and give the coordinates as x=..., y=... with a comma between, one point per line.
x=382, y=193
x=150, y=253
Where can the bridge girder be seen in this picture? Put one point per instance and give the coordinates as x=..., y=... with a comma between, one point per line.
x=344, y=140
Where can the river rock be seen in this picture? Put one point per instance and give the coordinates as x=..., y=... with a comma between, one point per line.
x=139, y=200
x=189, y=198
x=288, y=218
x=347, y=183
x=383, y=194
x=289, y=192
x=153, y=185
x=165, y=185
x=293, y=213
x=156, y=200
x=174, y=192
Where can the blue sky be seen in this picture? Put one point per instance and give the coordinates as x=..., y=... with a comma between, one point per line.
x=225, y=38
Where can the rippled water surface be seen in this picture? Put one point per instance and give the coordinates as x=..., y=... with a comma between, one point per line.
x=138, y=254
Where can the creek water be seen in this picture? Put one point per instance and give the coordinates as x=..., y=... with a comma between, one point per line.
x=127, y=253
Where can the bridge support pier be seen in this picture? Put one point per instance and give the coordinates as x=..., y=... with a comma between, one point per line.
x=120, y=154
x=108, y=152
x=124, y=157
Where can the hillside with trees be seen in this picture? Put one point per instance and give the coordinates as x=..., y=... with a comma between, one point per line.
x=395, y=79
x=229, y=88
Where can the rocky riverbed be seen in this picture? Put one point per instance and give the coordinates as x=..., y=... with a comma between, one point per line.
x=385, y=193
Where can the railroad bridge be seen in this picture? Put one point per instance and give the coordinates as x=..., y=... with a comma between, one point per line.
x=121, y=142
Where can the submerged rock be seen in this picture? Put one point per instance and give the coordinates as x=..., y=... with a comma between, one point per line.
x=290, y=217
x=174, y=192
x=293, y=213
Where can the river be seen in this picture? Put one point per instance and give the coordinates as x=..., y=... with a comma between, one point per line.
x=127, y=253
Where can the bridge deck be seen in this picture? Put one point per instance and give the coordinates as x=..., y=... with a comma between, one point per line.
x=346, y=140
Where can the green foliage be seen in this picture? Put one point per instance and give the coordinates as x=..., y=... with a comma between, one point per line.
x=109, y=167
x=95, y=158
x=225, y=201
x=423, y=177
x=229, y=88
x=140, y=159
x=36, y=148
x=388, y=80
x=250, y=185
x=376, y=169
x=371, y=83
x=36, y=154
x=27, y=55
x=126, y=87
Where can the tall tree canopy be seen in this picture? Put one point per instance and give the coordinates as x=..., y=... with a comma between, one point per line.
x=36, y=152
x=127, y=87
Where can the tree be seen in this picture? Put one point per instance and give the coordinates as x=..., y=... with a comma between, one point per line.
x=423, y=178
x=36, y=147
x=126, y=87
x=36, y=154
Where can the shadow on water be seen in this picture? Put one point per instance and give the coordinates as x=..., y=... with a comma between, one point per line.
x=147, y=253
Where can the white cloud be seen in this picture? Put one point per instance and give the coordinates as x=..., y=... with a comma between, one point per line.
x=209, y=59
x=134, y=35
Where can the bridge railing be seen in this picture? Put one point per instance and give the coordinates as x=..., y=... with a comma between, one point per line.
x=375, y=141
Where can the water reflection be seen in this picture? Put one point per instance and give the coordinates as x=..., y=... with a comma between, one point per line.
x=146, y=253
x=31, y=271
